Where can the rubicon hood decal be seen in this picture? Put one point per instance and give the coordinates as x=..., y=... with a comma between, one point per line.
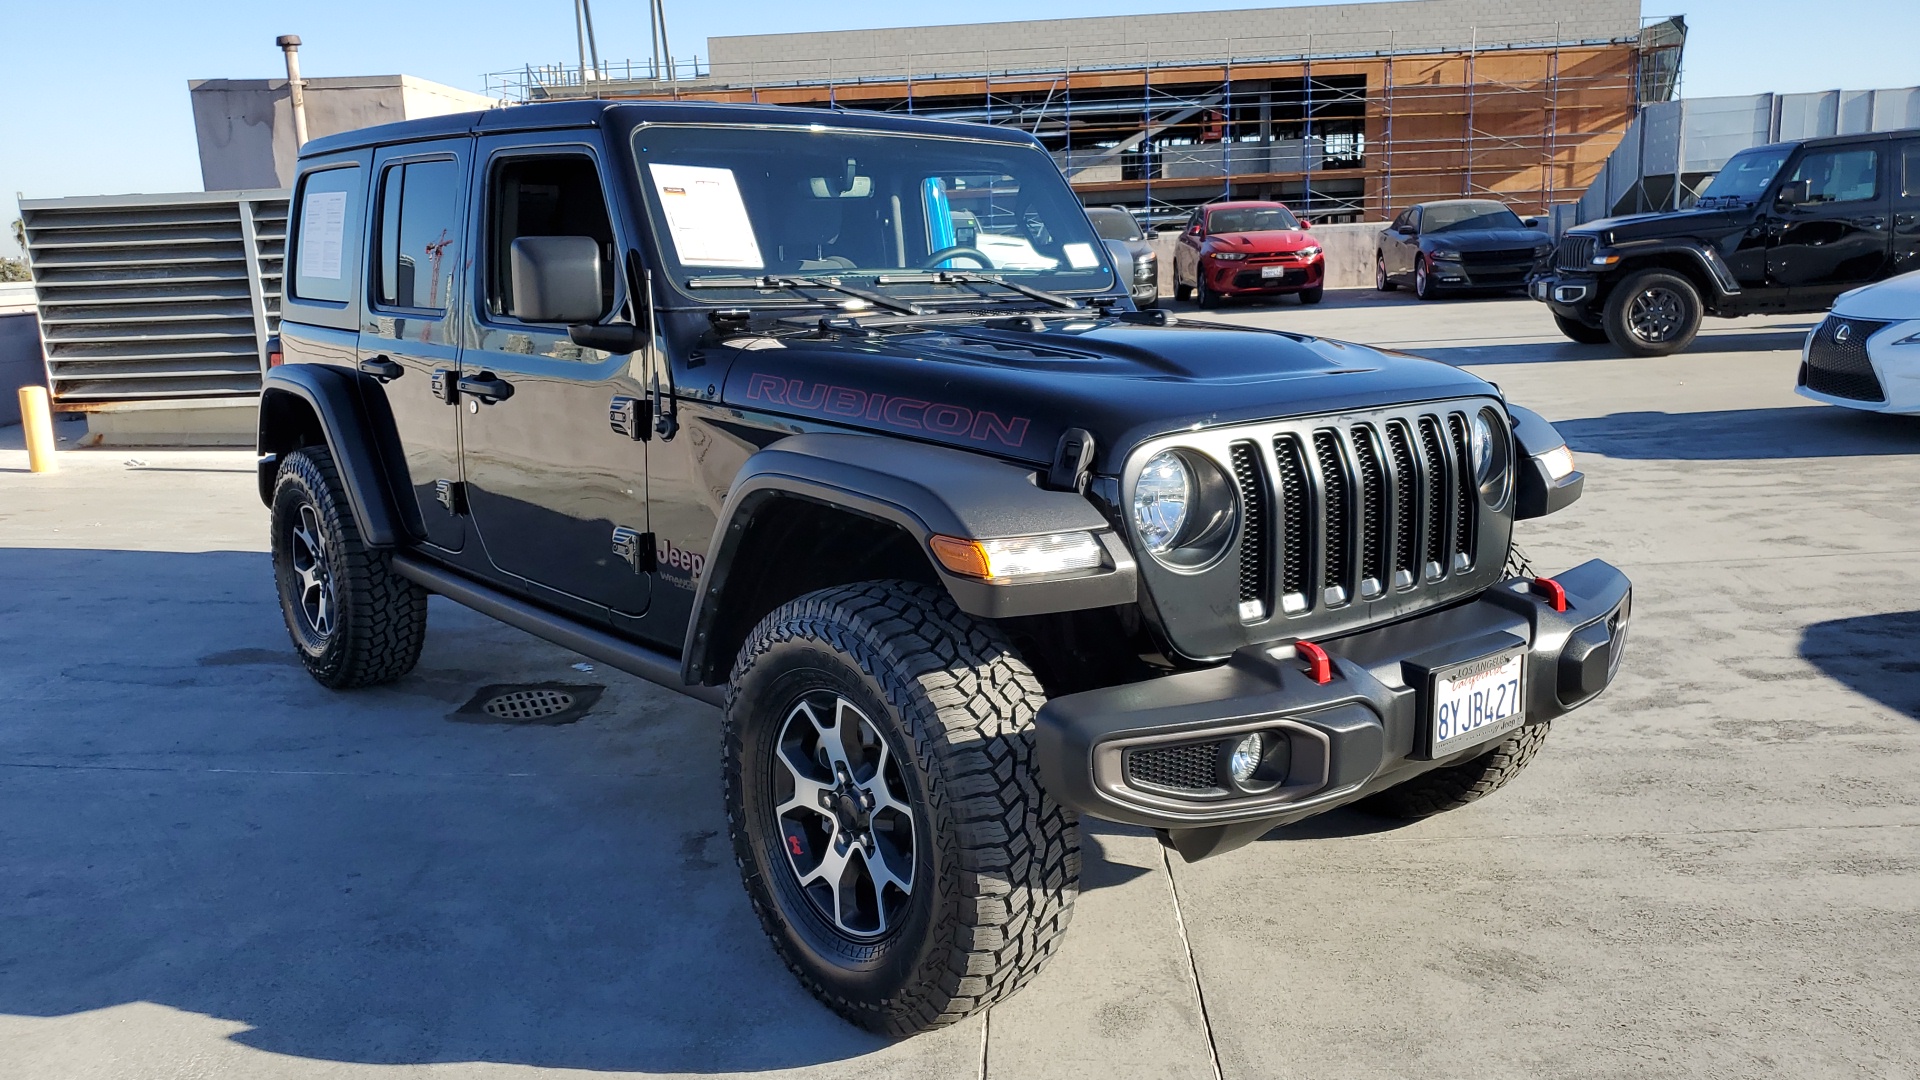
x=900, y=411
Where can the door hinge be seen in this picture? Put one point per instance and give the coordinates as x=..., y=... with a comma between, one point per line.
x=635, y=548
x=452, y=495
x=631, y=417
x=446, y=385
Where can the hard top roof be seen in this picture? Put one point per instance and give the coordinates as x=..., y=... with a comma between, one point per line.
x=575, y=114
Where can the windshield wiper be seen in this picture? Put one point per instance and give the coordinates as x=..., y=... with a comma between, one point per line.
x=950, y=277
x=777, y=281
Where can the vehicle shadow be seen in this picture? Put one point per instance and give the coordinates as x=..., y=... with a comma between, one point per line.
x=1344, y=823
x=1810, y=431
x=1769, y=339
x=1875, y=655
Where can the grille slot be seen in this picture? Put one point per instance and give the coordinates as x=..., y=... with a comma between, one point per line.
x=1406, y=526
x=1434, y=465
x=1255, y=560
x=1295, y=562
x=1183, y=767
x=1463, y=487
x=1373, y=512
x=1575, y=252
x=1841, y=368
x=1339, y=546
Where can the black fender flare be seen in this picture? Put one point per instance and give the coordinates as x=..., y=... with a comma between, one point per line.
x=925, y=491
x=1537, y=493
x=1633, y=257
x=332, y=398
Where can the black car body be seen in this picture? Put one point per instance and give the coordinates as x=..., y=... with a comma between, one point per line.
x=1458, y=245
x=705, y=393
x=1116, y=225
x=1781, y=228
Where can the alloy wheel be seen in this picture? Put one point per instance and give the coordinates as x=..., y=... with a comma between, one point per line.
x=1380, y=273
x=843, y=815
x=1654, y=315
x=315, y=576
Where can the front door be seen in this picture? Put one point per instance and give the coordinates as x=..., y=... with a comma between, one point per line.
x=558, y=497
x=1839, y=237
x=1906, y=206
x=408, y=333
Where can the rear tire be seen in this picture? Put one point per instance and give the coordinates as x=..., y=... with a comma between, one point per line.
x=353, y=620
x=1381, y=282
x=1575, y=330
x=1454, y=786
x=1313, y=295
x=1652, y=313
x=1181, y=291
x=933, y=716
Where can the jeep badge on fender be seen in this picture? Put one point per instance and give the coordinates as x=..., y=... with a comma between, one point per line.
x=845, y=424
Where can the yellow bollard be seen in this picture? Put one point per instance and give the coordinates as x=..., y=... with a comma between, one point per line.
x=37, y=420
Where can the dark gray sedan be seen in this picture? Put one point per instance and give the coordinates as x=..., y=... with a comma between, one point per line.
x=1457, y=245
x=1113, y=223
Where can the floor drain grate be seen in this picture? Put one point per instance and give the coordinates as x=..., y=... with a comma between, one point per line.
x=540, y=703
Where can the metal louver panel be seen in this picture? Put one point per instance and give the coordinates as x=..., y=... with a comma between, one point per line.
x=1373, y=511
x=1406, y=522
x=1295, y=526
x=1339, y=543
x=1464, y=492
x=1255, y=559
x=156, y=297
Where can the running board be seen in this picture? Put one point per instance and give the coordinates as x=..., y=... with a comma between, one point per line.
x=615, y=652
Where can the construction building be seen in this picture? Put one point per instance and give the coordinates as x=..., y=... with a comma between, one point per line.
x=1345, y=111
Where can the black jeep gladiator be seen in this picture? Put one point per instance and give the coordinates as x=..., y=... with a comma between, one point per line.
x=960, y=543
x=1783, y=228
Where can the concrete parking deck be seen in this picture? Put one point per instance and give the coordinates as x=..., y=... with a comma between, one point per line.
x=209, y=866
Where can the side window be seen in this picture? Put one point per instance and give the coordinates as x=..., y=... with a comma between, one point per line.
x=1405, y=217
x=326, y=234
x=418, y=239
x=1839, y=175
x=1910, y=171
x=544, y=196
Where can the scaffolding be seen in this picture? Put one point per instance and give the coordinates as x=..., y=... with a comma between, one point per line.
x=1340, y=129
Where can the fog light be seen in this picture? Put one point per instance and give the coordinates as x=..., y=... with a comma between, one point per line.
x=1245, y=759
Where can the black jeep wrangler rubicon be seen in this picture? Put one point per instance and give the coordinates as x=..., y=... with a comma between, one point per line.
x=960, y=543
x=1780, y=229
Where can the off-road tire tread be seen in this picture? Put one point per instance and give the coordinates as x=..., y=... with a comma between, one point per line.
x=382, y=615
x=969, y=703
x=1454, y=786
x=1518, y=565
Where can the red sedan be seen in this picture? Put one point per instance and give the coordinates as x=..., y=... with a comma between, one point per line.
x=1247, y=249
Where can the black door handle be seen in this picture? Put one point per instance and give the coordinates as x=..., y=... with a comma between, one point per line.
x=382, y=368
x=486, y=386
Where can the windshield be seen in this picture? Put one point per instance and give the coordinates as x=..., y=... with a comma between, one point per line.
x=1251, y=219
x=1114, y=225
x=1467, y=217
x=1745, y=176
x=735, y=205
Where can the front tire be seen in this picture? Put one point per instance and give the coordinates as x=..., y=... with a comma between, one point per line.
x=1454, y=786
x=1423, y=286
x=1204, y=296
x=1652, y=313
x=884, y=807
x=1575, y=330
x=353, y=620
x=1313, y=295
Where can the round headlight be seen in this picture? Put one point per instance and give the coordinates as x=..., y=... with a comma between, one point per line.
x=1480, y=442
x=1160, y=500
x=1244, y=761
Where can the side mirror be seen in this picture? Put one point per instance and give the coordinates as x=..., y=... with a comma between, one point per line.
x=1795, y=193
x=556, y=279
x=1305, y=224
x=1531, y=223
x=1404, y=230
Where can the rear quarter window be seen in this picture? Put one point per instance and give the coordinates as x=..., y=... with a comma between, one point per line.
x=324, y=260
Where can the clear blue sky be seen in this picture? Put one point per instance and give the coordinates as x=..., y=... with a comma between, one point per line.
x=95, y=91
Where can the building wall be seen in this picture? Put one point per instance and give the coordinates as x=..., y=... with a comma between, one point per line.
x=245, y=126
x=1128, y=40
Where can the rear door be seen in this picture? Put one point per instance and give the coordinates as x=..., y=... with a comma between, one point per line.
x=1841, y=236
x=409, y=342
x=558, y=497
x=1906, y=206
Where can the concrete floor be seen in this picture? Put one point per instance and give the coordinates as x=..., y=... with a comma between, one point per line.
x=209, y=866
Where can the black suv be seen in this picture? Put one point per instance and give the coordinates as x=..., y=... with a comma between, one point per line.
x=1781, y=228
x=959, y=542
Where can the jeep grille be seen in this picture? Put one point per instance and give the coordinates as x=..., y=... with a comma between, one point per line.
x=1575, y=252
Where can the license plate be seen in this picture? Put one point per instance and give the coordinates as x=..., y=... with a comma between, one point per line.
x=1475, y=702
x=1273, y=271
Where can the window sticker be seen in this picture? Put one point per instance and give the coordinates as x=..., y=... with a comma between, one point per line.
x=706, y=216
x=1080, y=256
x=323, y=230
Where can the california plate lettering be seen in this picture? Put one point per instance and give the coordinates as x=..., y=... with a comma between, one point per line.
x=1475, y=698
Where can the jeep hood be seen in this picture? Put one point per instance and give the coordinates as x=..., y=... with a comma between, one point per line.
x=1702, y=223
x=1012, y=392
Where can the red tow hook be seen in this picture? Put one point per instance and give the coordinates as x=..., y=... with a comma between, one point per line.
x=1556, y=595
x=1319, y=665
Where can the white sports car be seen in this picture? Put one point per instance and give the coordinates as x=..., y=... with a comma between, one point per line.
x=1866, y=353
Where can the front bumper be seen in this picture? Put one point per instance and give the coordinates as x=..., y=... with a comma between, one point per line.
x=1569, y=294
x=1239, y=279
x=1366, y=729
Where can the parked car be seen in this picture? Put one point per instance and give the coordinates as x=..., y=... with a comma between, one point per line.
x=1247, y=249
x=709, y=394
x=1780, y=228
x=1458, y=245
x=1117, y=225
x=1866, y=353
